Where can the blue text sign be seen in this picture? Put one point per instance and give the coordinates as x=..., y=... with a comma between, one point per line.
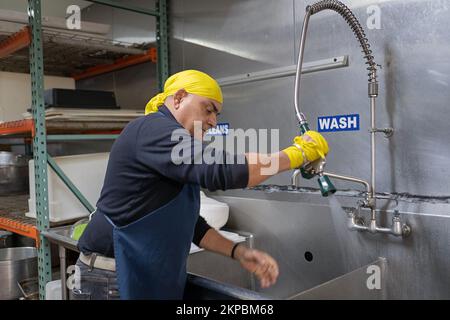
x=349, y=122
x=220, y=130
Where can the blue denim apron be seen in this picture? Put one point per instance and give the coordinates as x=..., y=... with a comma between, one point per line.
x=151, y=252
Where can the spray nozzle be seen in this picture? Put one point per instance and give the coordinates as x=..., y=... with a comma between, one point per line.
x=326, y=187
x=316, y=168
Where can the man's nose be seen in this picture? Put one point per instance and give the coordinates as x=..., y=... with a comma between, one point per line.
x=213, y=120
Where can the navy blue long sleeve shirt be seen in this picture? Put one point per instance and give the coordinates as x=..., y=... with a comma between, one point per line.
x=142, y=177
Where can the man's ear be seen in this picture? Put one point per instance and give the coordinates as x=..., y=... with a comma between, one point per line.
x=178, y=97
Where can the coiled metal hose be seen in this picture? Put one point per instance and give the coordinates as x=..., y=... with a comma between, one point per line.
x=354, y=24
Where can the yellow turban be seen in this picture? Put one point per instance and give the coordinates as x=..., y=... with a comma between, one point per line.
x=193, y=81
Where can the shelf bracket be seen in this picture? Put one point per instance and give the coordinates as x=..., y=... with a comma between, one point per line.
x=149, y=56
x=15, y=42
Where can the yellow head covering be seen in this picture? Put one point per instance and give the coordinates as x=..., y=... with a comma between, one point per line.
x=193, y=81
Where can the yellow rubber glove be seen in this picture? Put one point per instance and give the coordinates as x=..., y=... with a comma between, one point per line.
x=311, y=150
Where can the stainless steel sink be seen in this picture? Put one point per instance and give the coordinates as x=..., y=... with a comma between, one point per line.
x=364, y=283
x=213, y=277
x=360, y=284
x=201, y=288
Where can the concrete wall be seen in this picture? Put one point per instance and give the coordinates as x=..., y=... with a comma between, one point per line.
x=15, y=93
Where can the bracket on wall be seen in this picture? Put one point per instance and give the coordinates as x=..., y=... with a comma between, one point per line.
x=308, y=67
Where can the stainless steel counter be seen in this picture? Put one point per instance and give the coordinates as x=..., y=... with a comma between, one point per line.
x=197, y=287
x=61, y=237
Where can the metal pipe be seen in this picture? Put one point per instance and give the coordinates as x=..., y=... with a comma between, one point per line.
x=299, y=66
x=295, y=176
x=62, y=270
x=80, y=137
x=127, y=7
x=372, y=143
x=385, y=230
x=370, y=194
x=354, y=225
x=372, y=154
x=352, y=179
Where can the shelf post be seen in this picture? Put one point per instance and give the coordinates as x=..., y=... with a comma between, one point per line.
x=39, y=142
x=162, y=38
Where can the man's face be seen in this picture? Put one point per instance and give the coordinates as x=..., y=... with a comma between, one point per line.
x=196, y=110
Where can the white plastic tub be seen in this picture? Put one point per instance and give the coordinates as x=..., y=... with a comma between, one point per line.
x=216, y=213
x=53, y=290
x=87, y=173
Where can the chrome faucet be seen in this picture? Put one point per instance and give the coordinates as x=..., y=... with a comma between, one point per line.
x=355, y=221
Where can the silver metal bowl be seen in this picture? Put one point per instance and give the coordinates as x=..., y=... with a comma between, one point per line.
x=16, y=264
x=14, y=177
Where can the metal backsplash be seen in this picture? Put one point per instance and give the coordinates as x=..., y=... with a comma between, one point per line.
x=226, y=38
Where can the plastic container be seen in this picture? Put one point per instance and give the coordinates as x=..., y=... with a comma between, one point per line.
x=216, y=213
x=53, y=290
x=87, y=173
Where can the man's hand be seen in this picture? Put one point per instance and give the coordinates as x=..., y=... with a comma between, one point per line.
x=255, y=261
x=259, y=263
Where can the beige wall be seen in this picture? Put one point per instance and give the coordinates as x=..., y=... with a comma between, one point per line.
x=15, y=92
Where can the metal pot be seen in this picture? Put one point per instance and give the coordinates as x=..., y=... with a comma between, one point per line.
x=5, y=239
x=13, y=173
x=16, y=264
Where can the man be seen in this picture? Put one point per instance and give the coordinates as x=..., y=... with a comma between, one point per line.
x=138, y=240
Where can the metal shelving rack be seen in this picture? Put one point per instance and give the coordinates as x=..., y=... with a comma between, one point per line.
x=38, y=126
x=72, y=54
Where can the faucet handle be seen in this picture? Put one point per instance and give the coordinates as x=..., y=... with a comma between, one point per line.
x=311, y=169
x=396, y=216
x=362, y=204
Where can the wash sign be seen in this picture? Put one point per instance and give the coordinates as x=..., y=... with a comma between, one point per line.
x=220, y=130
x=349, y=122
